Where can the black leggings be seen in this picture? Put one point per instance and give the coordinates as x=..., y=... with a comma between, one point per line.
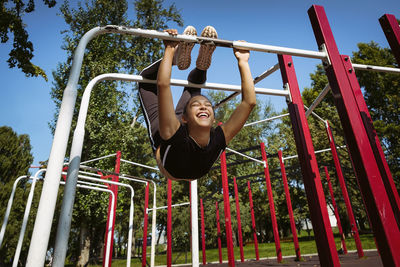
x=149, y=99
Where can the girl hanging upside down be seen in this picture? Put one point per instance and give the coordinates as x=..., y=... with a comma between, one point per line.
x=183, y=139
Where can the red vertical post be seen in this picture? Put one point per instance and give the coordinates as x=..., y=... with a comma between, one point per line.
x=336, y=211
x=203, y=234
x=227, y=211
x=372, y=187
x=169, y=223
x=271, y=205
x=289, y=206
x=312, y=181
x=345, y=194
x=374, y=140
x=391, y=29
x=145, y=224
x=253, y=222
x=114, y=189
x=238, y=220
x=218, y=233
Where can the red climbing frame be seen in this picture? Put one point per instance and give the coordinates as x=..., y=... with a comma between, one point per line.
x=114, y=188
x=271, y=205
x=391, y=29
x=145, y=224
x=253, y=222
x=336, y=211
x=370, y=180
x=289, y=206
x=239, y=223
x=345, y=194
x=203, y=234
x=218, y=232
x=312, y=181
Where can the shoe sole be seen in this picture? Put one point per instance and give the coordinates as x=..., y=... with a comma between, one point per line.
x=206, y=50
x=185, y=50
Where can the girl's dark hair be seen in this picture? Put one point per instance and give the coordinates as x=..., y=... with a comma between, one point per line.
x=187, y=104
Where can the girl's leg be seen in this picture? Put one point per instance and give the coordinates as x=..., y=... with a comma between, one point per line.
x=149, y=103
x=195, y=76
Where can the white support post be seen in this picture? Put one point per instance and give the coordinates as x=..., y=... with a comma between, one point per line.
x=195, y=223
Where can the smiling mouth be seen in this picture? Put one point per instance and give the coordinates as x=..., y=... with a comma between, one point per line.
x=203, y=115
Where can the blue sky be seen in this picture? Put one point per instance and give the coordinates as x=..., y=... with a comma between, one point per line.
x=27, y=106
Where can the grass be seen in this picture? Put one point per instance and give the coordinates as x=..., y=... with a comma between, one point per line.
x=265, y=250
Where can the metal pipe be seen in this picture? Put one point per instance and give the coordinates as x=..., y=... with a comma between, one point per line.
x=48, y=198
x=243, y=155
x=96, y=159
x=256, y=80
x=26, y=217
x=376, y=68
x=316, y=152
x=164, y=207
x=269, y=119
x=8, y=209
x=194, y=223
x=318, y=99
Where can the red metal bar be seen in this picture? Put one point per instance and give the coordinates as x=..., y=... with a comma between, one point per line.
x=391, y=28
x=271, y=205
x=169, y=223
x=238, y=220
x=372, y=187
x=227, y=211
x=145, y=224
x=345, y=194
x=203, y=234
x=253, y=222
x=336, y=211
x=374, y=140
x=312, y=181
x=114, y=188
x=218, y=233
x=289, y=206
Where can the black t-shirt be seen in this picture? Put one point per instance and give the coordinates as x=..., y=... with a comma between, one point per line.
x=183, y=158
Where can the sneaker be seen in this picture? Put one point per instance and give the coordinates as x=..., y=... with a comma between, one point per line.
x=206, y=50
x=182, y=56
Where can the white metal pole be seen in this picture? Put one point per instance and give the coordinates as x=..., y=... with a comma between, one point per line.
x=48, y=198
x=96, y=159
x=265, y=120
x=26, y=217
x=244, y=155
x=195, y=223
x=318, y=100
x=376, y=68
x=153, y=228
x=8, y=210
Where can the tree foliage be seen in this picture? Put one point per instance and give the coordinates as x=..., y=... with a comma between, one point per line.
x=11, y=21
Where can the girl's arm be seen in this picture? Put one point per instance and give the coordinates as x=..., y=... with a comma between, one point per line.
x=168, y=121
x=243, y=110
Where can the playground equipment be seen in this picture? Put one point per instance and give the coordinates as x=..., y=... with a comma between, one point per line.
x=376, y=183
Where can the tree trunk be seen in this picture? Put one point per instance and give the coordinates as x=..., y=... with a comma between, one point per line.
x=84, y=246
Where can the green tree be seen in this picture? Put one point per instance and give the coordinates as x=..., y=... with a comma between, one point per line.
x=11, y=21
x=15, y=160
x=114, y=119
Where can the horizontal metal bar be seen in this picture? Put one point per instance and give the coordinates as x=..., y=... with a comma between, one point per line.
x=243, y=155
x=175, y=205
x=316, y=152
x=376, y=68
x=185, y=83
x=140, y=165
x=269, y=119
x=91, y=160
x=217, y=42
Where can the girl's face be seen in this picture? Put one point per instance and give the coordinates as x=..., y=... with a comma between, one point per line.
x=199, y=112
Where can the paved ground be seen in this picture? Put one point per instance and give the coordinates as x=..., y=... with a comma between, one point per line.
x=371, y=258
